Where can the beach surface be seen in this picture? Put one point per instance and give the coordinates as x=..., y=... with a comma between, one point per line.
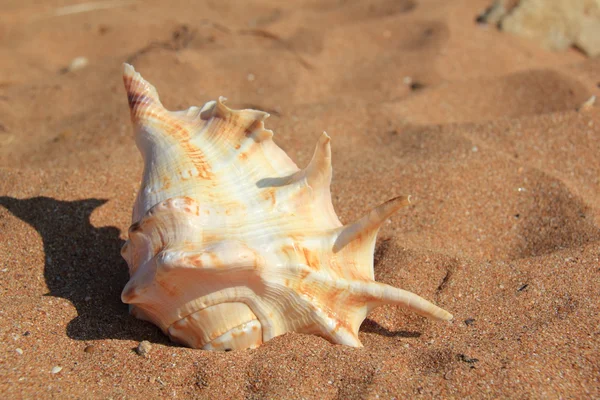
x=490, y=134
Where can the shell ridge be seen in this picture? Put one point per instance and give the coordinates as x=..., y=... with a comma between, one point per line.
x=326, y=319
x=143, y=291
x=152, y=230
x=273, y=314
x=250, y=122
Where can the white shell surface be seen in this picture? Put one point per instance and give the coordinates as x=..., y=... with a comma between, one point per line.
x=232, y=244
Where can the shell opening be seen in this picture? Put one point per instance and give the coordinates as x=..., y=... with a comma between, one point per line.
x=226, y=326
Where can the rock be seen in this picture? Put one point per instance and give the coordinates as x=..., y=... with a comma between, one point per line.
x=586, y=106
x=76, y=64
x=143, y=348
x=493, y=15
x=555, y=24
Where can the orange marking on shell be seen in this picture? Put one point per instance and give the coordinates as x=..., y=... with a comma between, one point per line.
x=232, y=208
x=289, y=251
x=169, y=289
x=297, y=238
x=312, y=260
x=166, y=183
x=196, y=260
x=217, y=345
x=188, y=201
x=216, y=260
x=303, y=274
x=333, y=296
x=238, y=333
x=340, y=323
x=182, y=136
x=270, y=194
x=197, y=158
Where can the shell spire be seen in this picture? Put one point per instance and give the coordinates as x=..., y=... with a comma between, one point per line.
x=142, y=96
x=232, y=244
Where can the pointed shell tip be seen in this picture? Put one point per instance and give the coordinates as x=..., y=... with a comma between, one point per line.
x=128, y=69
x=221, y=110
x=446, y=316
x=325, y=138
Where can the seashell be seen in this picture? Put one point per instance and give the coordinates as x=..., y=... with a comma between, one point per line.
x=232, y=244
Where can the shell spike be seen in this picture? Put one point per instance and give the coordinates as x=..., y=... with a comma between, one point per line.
x=318, y=172
x=367, y=226
x=221, y=110
x=251, y=120
x=142, y=96
x=381, y=294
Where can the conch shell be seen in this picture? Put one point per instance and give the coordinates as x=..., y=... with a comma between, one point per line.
x=232, y=244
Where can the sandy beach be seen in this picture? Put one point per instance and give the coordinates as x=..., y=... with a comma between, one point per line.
x=487, y=131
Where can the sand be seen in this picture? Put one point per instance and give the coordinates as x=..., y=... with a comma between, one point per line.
x=482, y=128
